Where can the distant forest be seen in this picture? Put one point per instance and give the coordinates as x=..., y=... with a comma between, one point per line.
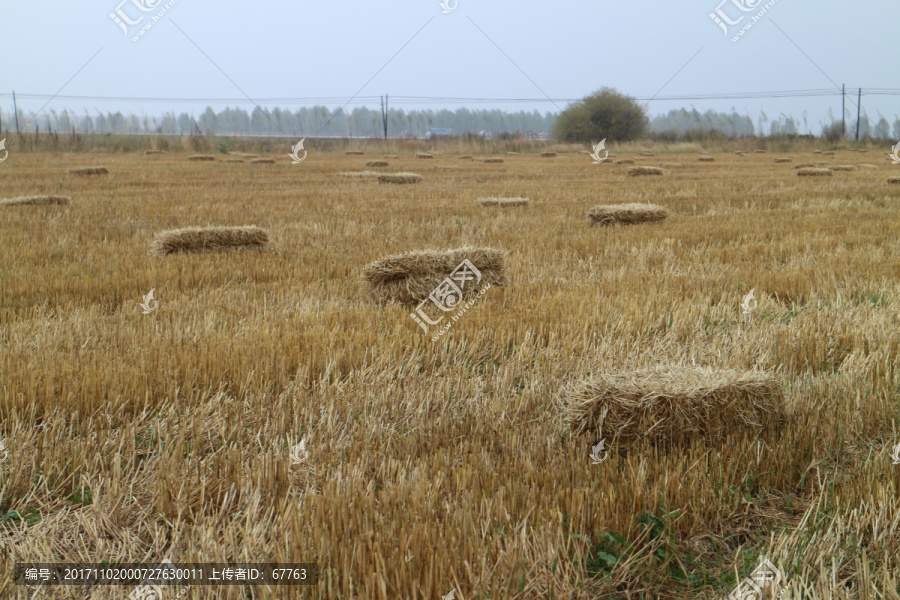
x=365, y=122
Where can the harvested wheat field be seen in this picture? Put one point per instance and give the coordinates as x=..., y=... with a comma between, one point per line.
x=138, y=429
x=410, y=278
x=503, y=202
x=34, y=200
x=627, y=213
x=89, y=171
x=208, y=239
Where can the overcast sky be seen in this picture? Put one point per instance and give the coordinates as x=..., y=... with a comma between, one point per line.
x=481, y=49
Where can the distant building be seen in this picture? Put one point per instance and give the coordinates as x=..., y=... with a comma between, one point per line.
x=438, y=132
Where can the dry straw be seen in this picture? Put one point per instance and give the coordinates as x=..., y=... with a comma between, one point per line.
x=784, y=160
x=206, y=157
x=262, y=161
x=814, y=172
x=150, y=152
x=504, y=202
x=424, y=155
x=636, y=171
x=409, y=278
x=359, y=174
x=89, y=171
x=804, y=165
x=611, y=214
x=674, y=405
x=33, y=200
x=233, y=160
x=706, y=159
x=843, y=167
x=893, y=180
x=209, y=239
x=376, y=163
x=399, y=178
x=625, y=161
x=548, y=154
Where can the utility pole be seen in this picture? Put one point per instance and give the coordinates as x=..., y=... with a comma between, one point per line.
x=16, y=110
x=384, y=114
x=843, y=110
x=858, y=103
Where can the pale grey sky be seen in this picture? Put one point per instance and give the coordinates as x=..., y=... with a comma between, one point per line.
x=521, y=49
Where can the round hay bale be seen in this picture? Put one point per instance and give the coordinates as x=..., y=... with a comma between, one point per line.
x=399, y=178
x=893, y=180
x=804, y=165
x=359, y=174
x=638, y=171
x=842, y=167
x=410, y=278
x=674, y=405
x=424, y=155
x=503, y=202
x=208, y=239
x=89, y=171
x=706, y=159
x=464, y=157
x=548, y=155
x=202, y=157
x=354, y=153
x=625, y=161
x=152, y=152
x=376, y=163
x=262, y=161
x=611, y=214
x=34, y=200
x=814, y=172
x=784, y=160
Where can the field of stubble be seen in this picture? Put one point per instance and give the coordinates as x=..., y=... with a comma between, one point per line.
x=435, y=466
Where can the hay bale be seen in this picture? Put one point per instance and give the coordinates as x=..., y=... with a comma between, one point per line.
x=625, y=161
x=208, y=239
x=89, y=171
x=674, y=405
x=34, y=200
x=491, y=160
x=152, y=152
x=201, y=157
x=503, y=202
x=817, y=152
x=262, y=161
x=637, y=171
x=706, y=159
x=814, y=172
x=893, y=180
x=233, y=160
x=409, y=278
x=464, y=157
x=759, y=151
x=610, y=214
x=245, y=155
x=784, y=160
x=548, y=155
x=390, y=156
x=842, y=167
x=359, y=174
x=424, y=155
x=354, y=153
x=399, y=178
x=804, y=165
x=376, y=163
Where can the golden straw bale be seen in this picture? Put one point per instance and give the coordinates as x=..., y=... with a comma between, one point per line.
x=89, y=171
x=611, y=214
x=637, y=171
x=504, y=202
x=814, y=172
x=34, y=200
x=202, y=157
x=399, y=178
x=209, y=239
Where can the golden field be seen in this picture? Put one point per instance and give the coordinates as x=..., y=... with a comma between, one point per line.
x=448, y=465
